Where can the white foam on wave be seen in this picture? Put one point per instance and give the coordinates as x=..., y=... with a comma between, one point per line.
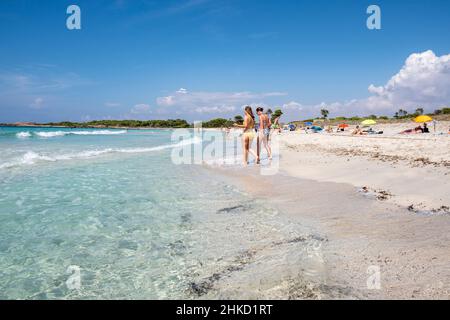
x=22, y=135
x=28, y=158
x=99, y=132
x=51, y=134
x=31, y=157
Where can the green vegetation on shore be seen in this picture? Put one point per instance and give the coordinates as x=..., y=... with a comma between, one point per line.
x=442, y=114
x=218, y=123
x=177, y=123
x=401, y=114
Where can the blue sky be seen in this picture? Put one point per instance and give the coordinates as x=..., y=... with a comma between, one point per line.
x=200, y=59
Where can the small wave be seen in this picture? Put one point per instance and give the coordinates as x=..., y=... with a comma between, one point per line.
x=30, y=157
x=22, y=135
x=27, y=159
x=51, y=134
x=99, y=132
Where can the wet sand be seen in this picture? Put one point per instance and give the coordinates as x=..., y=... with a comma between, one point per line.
x=353, y=233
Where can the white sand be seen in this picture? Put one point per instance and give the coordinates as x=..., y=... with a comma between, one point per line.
x=413, y=169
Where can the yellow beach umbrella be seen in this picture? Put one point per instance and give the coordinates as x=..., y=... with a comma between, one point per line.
x=422, y=119
x=368, y=122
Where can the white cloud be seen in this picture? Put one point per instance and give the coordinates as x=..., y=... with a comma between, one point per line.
x=292, y=106
x=202, y=101
x=423, y=81
x=37, y=103
x=198, y=105
x=140, y=109
x=165, y=101
x=222, y=109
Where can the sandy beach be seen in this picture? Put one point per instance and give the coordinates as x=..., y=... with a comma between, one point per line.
x=369, y=202
x=406, y=228
x=409, y=170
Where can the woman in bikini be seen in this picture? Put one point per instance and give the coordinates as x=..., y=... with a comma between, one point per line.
x=248, y=135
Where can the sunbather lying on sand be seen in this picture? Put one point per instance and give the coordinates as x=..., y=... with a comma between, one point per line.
x=372, y=131
x=358, y=131
x=418, y=129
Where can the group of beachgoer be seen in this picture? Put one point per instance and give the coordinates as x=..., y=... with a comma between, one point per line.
x=260, y=127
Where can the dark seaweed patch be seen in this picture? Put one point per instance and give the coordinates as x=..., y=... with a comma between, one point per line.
x=300, y=239
x=206, y=285
x=441, y=210
x=239, y=263
x=186, y=218
x=231, y=209
x=177, y=248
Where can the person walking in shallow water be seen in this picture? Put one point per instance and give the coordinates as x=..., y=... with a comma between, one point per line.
x=248, y=135
x=263, y=129
x=276, y=123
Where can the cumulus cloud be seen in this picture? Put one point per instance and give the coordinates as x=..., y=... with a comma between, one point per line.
x=424, y=77
x=423, y=81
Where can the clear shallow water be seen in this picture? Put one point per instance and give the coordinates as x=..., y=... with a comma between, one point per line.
x=139, y=227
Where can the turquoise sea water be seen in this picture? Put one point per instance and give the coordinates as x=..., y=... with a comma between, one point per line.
x=111, y=204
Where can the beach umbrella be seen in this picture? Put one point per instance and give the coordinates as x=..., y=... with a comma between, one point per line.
x=423, y=119
x=343, y=125
x=308, y=123
x=368, y=122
